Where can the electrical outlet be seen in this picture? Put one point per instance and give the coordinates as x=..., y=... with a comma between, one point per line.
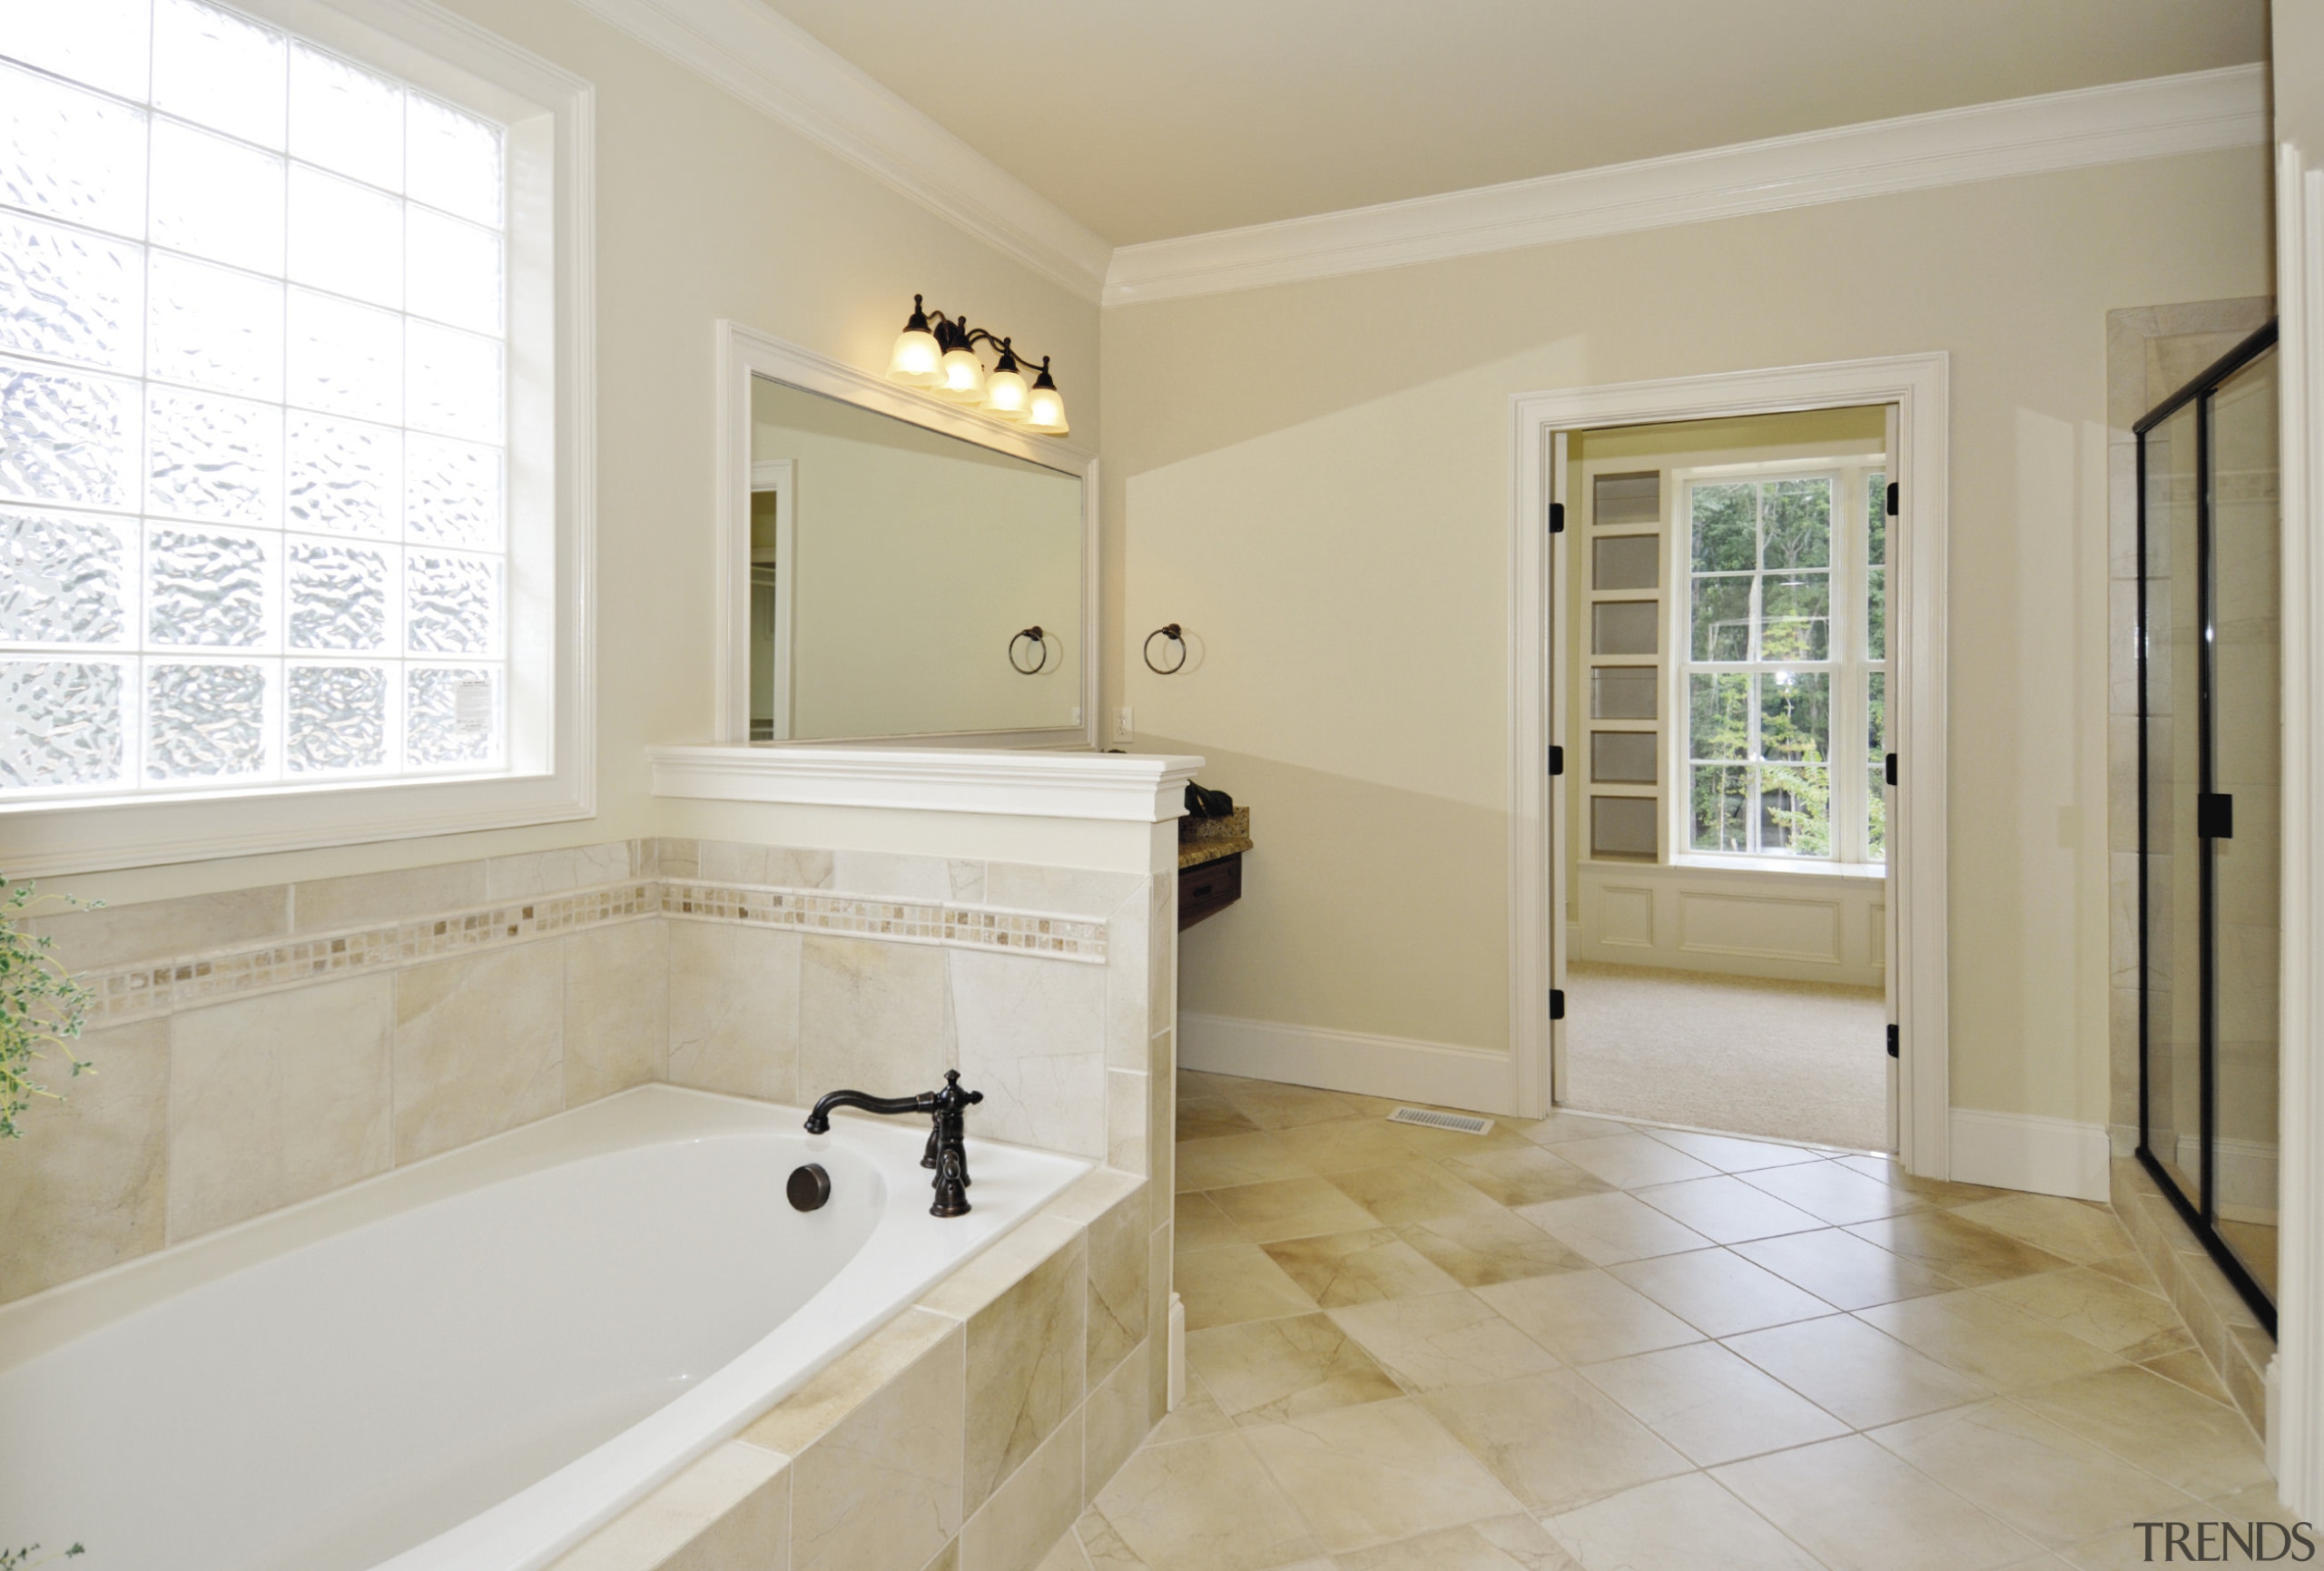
x=1122, y=730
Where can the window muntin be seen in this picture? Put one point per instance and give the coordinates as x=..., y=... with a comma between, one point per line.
x=1775, y=656
x=253, y=430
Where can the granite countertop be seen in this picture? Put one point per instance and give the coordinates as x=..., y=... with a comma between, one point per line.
x=1204, y=840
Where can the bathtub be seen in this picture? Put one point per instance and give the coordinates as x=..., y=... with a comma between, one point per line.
x=470, y=1363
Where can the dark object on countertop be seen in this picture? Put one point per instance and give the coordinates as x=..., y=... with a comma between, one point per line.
x=1205, y=803
x=809, y=1188
x=946, y=1152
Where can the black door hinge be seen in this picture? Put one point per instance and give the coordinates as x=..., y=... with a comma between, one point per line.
x=1557, y=517
x=2214, y=815
x=1889, y=770
x=1894, y=495
x=1892, y=1040
x=1557, y=1003
x=1557, y=761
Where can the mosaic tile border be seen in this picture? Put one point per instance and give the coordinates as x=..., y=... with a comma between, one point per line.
x=953, y=924
x=154, y=988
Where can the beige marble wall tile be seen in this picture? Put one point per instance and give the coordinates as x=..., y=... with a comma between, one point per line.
x=729, y=1511
x=1029, y=1035
x=881, y=1489
x=479, y=1046
x=84, y=1188
x=1162, y=952
x=889, y=873
x=1075, y=891
x=784, y=867
x=1161, y=1114
x=1027, y=1354
x=1117, y=1319
x=617, y=1009
x=157, y=929
x=675, y=857
x=817, y=1408
x=1114, y=1421
x=1129, y=1122
x=552, y=872
x=403, y=895
x=1158, y=1286
x=735, y=1009
x=277, y=1098
x=877, y=1016
x=1129, y=972
x=1025, y=1517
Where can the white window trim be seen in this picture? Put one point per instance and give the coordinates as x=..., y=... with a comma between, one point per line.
x=551, y=745
x=1850, y=688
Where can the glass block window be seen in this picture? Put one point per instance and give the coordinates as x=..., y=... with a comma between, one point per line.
x=253, y=428
x=1782, y=670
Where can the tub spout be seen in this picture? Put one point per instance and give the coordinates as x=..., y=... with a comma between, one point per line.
x=947, y=1152
x=819, y=1122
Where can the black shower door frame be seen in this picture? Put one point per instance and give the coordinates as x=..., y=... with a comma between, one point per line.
x=2202, y=1216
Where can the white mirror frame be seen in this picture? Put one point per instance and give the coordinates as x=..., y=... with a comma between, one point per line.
x=744, y=353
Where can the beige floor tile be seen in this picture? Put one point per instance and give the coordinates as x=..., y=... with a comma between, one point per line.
x=2178, y=1436
x=1209, y=1117
x=1857, y=1374
x=1441, y=1144
x=1450, y=1338
x=1345, y=1145
x=1611, y=1228
x=1585, y=1317
x=1555, y=1440
x=1515, y=1543
x=1274, y=1105
x=1710, y=1404
x=2103, y=1311
x=1523, y=1175
x=1409, y=1192
x=2193, y=1370
x=1936, y=1191
x=1352, y=1268
x=1478, y=1248
x=1856, y=1507
x=1240, y=1283
x=1731, y=1153
x=1986, y=1340
x=1970, y=1254
x=1232, y=1159
x=1684, y=1524
x=1199, y=1225
x=2050, y=1485
x=1192, y=1419
x=1264, y=1371
x=1842, y=1268
x=1377, y=1473
x=1721, y=1293
x=1634, y=1159
x=1291, y=1208
x=2081, y=1231
x=1558, y=1128
x=1727, y=1210
x=1204, y=1505
x=1195, y=1082
x=1834, y=1193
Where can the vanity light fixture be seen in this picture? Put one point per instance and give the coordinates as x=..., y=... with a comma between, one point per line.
x=939, y=353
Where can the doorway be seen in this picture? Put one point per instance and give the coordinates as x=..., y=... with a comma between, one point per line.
x=1761, y=755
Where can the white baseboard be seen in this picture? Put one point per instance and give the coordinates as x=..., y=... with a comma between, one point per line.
x=2028, y=1151
x=1396, y=1067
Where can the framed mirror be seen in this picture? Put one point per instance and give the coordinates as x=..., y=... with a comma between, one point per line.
x=894, y=568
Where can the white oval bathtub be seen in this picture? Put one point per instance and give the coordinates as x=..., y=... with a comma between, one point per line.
x=471, y=1363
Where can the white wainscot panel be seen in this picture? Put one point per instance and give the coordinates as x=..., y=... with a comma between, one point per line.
x=1820, y=926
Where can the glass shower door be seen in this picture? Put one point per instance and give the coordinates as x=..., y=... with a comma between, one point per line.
x=2209, y=717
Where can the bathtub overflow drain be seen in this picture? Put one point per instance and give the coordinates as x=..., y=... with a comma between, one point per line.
x=809, y=1188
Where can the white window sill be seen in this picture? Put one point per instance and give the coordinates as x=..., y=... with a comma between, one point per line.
x=1808, y=867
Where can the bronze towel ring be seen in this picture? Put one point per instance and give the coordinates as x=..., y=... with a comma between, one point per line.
x=1175, y=636
x=1041, y=641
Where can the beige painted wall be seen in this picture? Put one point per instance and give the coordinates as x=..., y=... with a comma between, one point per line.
x=1315, y=479
x=918, y=557
x=705, y=209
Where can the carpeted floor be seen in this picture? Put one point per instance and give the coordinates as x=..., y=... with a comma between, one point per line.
x=1794, y=1060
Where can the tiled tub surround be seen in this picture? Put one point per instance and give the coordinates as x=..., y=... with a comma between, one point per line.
x=259, y=1047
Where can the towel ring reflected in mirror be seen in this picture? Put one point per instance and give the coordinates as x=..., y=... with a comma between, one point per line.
x=1039, y=641
x=1176, y=636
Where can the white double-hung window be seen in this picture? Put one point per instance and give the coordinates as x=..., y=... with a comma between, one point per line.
x=1783, y=667
x=282, y=512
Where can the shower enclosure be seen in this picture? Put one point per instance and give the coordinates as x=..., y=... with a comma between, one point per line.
x=2210, y=714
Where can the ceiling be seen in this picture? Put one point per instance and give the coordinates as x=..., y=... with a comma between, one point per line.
x=1146, y=119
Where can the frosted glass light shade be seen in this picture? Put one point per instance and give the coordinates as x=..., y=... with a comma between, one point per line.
x=960, y=377
x=916, y=358
x=1045, y=412
x=1005, y=395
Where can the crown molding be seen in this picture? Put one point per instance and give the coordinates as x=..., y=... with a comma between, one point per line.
x=2195, y=113
x=776, y=66
x=1138, y=788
